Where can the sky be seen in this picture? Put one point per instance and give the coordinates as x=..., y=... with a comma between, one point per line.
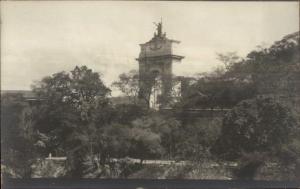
x=39, y=38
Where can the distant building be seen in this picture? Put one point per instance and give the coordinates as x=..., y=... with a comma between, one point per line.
x=155, y=60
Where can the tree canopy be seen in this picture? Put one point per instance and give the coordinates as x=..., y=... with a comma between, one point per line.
x=260, y=124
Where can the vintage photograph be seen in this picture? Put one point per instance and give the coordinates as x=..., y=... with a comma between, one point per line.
x=150, y=90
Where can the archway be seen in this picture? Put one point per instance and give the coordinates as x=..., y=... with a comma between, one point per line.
x=156, y=89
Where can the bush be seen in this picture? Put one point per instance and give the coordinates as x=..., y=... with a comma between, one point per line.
x=257, y=125
x=248, y=165
x=48, y=169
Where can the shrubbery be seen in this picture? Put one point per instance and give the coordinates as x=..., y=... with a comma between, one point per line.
x=255, y=132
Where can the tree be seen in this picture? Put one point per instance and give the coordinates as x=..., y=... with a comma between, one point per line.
x=255, y=131
x=109, y=142
x=80, y=89
x=260, y=124
x=129, y=85
x=170, y=131
x=145, y=144
x=126, y=113
x=18, y=145
x=272, y=71
x=269, y=72
x=195, y=139
x=229, y=59
x=75, y=106
x=216, y=91
x=69, y=98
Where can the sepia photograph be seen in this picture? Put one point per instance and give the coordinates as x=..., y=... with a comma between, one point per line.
x=191, y=90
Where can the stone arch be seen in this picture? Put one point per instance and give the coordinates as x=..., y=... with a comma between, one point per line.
x=156, y=89
x=155, y=72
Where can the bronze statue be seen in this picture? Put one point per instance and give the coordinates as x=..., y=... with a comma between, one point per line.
x=159, y=28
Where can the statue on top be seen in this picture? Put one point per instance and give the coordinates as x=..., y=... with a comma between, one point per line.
x=159, y=29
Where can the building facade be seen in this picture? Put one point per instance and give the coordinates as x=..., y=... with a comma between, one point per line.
x=156, y=60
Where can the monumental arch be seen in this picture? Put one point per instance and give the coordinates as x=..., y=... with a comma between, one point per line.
x=155, y=60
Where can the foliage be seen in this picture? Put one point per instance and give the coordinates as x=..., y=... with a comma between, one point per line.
x=126, y=113
x=78, y=90
x=261, y=124
x=249, y=164
x=221, y=93
x=229, y=59
x=73, y=106
x=165, y=133
x=18, y=144
x=189, y=141
x=48, y=169
x=196, y=139
x=145, y=143
x=289, y=158
x=169, y=129
x=216, y=91
x=128, y=84
x=273, y=70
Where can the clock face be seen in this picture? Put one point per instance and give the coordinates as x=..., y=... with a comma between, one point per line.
x=155, y=46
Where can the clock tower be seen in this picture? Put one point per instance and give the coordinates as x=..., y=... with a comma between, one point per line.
x=155, y=69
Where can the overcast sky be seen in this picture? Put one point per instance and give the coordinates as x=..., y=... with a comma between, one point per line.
x=41, y=38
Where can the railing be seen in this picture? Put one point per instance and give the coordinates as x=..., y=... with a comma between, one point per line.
x=216, y=112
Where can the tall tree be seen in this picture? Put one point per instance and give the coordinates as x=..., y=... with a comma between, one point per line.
x=73, y=104
x=128, y=84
